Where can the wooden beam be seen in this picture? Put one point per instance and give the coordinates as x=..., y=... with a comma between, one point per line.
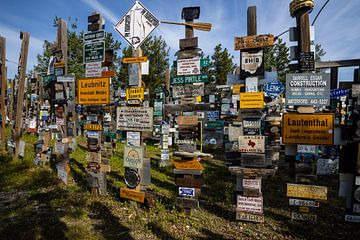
x=303, y=28
x=3, y=91
x=25, y=36
x=338, y=63
x=333, y=77
x=251, y=21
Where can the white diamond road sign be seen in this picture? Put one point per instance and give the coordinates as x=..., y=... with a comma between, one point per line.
x=137, y=24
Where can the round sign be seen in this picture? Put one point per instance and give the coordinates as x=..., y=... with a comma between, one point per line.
x=131, y=178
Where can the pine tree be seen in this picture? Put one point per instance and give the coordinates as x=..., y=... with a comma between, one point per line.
x=221, y=65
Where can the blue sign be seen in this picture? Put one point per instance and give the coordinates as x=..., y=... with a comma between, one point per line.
x=273, y=89
x=213, y=115
x=335, y=93
x=183, y=191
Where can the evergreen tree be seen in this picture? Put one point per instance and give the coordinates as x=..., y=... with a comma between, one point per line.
x=277, y=57
x=221, y=65
x=319, y=52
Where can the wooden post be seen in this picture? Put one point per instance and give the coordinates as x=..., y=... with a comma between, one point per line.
x=167, y=84
x=25, y=36
x=3, y=91
x=189, y=31
x=333, y=77
x=251, y=21
x=303, y=28
x=10, y=113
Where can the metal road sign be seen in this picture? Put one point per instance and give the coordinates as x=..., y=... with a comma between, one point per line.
x=273, y=89
x=137, y=24
x=94, y=52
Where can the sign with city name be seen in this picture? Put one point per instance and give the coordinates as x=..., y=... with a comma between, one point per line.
x=251, y=100
x=189, y=79
x=252, y=144
x=306, y=191
x=132, y=195
x=93, y=127
x=309, y=129
x=249, y=42
x=135, y=59
x=303, y=202
x=308, y=89
x=188, y=66
x=93, y=91
x=135, y=119
x=134, y=157
x=249, y=204
x=135, y=93
x=188, y=165
x=188, y=90
x=273, y=89
x=94, y=52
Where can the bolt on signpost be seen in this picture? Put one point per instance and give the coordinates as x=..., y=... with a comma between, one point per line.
x=136, y=118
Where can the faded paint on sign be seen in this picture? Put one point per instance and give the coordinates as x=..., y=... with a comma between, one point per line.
x=306, y=191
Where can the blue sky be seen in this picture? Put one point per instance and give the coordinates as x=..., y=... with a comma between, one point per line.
x=337, y=29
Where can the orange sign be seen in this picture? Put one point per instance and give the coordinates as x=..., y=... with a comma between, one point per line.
x=188, y=165
x=132, y=195
x=236, y=88
x=187, y=120
x=135, y=60
x=93, y=127
x=251, y=100
x=94, y=91
x=108, y=73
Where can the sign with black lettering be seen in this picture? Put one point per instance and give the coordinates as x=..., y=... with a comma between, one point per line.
x=135, y=119
x=252, y=63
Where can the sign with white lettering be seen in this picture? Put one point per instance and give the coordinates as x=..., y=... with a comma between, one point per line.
x=135, y=119
x=133, y=157
x=303, y=216
x=188, y=66
x=97, y=35
x=308, y=89
x=249, y=204
x=252, y=144
x=273, y=89
x=94, y=52
x=184, y=191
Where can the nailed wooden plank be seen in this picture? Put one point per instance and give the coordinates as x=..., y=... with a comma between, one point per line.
x=187, y=202
x=306, y=191
x=249, y=217
x=132, y=195
x=188, y=43
x=192, y=181
x=172, y=108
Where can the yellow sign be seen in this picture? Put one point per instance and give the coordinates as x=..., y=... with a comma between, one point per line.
x=188, y=165
x=252, y=100
x=236, y=88
x=304, y=209
x=306, y=191
x=135, y=93
x=93, y=127
x=135, y=60
x=260, y=41
x=59, y=64
x=94, y=91
x=312, y=129
x=198, y=99
x=132, y=195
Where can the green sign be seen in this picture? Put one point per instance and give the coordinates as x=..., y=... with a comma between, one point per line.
x=190, y=79
x=158, y=107
x=204, y=62
x=216, y=124
x=82, y=122
x=110, y=134
x=94, y=52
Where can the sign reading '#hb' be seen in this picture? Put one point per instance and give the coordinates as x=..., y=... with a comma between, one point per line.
x=253, y=144
x=260, y=41
x=188, y=66
x=94, y=91
x=251, y=100
x=315, y=129
x=306, y=191
x=137, y=24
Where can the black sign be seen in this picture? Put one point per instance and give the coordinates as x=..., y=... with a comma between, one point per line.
x=307, y=61
x=131, y=178
x=251, y=63
x=190, y=13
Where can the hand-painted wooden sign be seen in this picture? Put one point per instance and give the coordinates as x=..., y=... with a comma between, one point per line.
x=94, y=91
x=249, y=204
x=188, y=165
x=251, y=100
x=93, y=127
x=273, y=89
x=134, y=60
x=135, y=119
x=134, y=157
x=132, y=195
x=94, y=52
x=252, y=144
x=188, y=90
x=306, y=191
x=249, y=42
x=315, y=129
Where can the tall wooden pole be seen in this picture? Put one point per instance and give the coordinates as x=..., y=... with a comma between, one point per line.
x=3, y=91
x=25, y=36
x=303, y=28
x=251, y=21
x=10, y=113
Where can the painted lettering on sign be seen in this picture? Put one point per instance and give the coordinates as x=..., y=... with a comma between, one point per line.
x=302, y=202
x=188, y=66
x=249, y=217
x=253, y=144
x=252, y=183
x=188, y=165
x=94, y=91
x=133, y=157
x=303, y=216
x=184, y=191
x=188, y=90
x=132, y=195
x=135, y=119
x=306, y=191
x=249, y=204
x=260, y=41
x=251, y=100
x=190, y=79
x=135, y=60
x=135, y=93
x=93, y=127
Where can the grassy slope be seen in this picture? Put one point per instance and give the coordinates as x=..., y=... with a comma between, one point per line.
x=34, y=204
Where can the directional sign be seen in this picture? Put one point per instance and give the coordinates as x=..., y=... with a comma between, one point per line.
x=94, y=52
x=137, y=24
x=273, y=89
x=90, y=36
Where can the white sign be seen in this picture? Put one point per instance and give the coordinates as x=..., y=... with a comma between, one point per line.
x=68, y=79
x=32, y=124
x=250, y=62
x=357, y=180
x=137, y=24
x=59, y=148
x=133, y=157
x=252, y=144
x=249, y=204
x=303, y=202
x=133, y=138
x=306, y=148
x=21, y=148
x=93, y=69
x=251, y=84
x=188, y=66
x=145, y=68
x=252, y=183
x=135, y=119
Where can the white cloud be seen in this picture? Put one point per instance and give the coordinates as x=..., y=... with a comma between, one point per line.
x=107, y=13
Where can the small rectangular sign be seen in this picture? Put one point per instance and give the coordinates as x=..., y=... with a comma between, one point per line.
x=190, y=79
x=188, y=165
x=135, y=119
x=306, y=148
x=135, y=93
x=93, y=127
x=352, y=218
x=252, y=144
x=132, y=195
x=249, y=204
x=68, y=79
x=315, y=129
x=94, y=91
x=188, y=66
x=97, y=35
x=135, y=59
x=306, y=191
x=252, y=183
x=249, y=217
x=356, y=208
x=304, y=216
x=133, y=138
x=184, y=191
x=188, y=90
x=249, y=42
x=93, y=69
x=94, y=52
x=251, y=100
x=134, y=157
x=303, y=202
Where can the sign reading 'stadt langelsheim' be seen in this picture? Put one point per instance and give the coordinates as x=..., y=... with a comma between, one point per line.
x=317, y=129
x=308, y=89
x=94, y=91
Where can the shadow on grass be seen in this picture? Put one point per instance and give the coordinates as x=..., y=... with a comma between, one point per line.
x=108, y=224
x=78, y=172
x=157, y=230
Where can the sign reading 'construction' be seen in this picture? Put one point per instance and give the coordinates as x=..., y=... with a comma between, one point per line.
x=94, y=91
x=315, y=129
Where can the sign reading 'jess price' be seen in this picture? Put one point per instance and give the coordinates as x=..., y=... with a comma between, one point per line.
x=94, y=91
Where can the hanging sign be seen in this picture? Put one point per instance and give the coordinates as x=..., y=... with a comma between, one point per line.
x=307, y=61
x=137, y=24
x=67, y=79
x=252, y=64
x=306, y=191
x=260, y=41
x=135, y=93
x=315, y=129
x=251, y=100
x=135, y=119
x=133, y=157
x=93, y=91
x=252, y=144
x=133, y=138
x=308, y=89
x=188, y=66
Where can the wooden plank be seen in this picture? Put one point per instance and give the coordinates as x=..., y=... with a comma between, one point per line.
x=187, y=202
x=192, y=181
x=188, y=43
x=306, y=191
x=188, y=165
x=132, y=195
x=3, y=91
x=249, y=217
x=337, y=63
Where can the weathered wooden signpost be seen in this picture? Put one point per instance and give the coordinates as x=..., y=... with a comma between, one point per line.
x=3, y=91
x=137, y=117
